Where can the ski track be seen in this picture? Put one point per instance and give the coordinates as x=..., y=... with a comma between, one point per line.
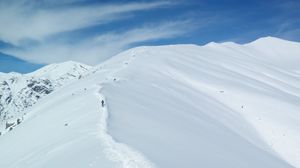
x=122, y=154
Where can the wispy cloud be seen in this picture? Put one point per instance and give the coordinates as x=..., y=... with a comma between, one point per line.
x=96, y=49
x=286, y=20
x=23, y=20
x=36, y=21
x=47, y=31
x=35, y=29
x=292, y=34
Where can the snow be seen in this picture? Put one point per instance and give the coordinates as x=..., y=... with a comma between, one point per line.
x=217, y=105
x=282, y=53
x=115, y=151
x=173, y=86
x=18, y=92
x=43, y=140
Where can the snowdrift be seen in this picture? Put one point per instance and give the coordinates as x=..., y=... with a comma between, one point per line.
x=218, y=105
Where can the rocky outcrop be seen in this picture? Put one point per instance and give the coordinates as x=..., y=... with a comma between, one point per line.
x=18, y=91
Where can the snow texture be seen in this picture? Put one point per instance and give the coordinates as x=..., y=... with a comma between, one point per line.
x=217, y=105
x=19, y=92
x=118, y=152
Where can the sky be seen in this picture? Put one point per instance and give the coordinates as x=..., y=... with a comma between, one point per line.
x=40, y=32
x=13, y=64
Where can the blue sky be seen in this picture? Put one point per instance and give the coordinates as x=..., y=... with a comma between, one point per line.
x=49, y=31
x=12, y=64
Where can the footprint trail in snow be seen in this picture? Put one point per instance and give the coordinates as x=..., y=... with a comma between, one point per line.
x=123, y=155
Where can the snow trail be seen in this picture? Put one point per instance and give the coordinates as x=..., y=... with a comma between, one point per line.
x=122, y=154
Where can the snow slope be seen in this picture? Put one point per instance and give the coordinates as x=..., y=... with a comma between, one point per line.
x=218, y=105
x=19, y=92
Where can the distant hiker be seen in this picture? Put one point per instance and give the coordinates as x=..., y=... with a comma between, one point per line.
x=102, y=103
x=18, y=121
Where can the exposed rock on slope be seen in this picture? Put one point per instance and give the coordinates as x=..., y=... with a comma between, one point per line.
x=18, y=91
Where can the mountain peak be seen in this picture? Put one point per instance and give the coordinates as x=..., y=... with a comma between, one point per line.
x=269, y=40
x=59, y=69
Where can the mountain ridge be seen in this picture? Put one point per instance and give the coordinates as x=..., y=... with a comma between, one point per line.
x=196, y=103
x=20, y=91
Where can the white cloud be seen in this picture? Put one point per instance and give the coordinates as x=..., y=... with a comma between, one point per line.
x=93, y=51
x=42, y=21
x=146, y=33
x=26, y=19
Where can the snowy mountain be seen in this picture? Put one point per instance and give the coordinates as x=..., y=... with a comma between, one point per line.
x=19, y=92
x=217, y=105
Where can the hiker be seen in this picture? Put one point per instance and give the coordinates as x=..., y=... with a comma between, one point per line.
x=102, y=103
